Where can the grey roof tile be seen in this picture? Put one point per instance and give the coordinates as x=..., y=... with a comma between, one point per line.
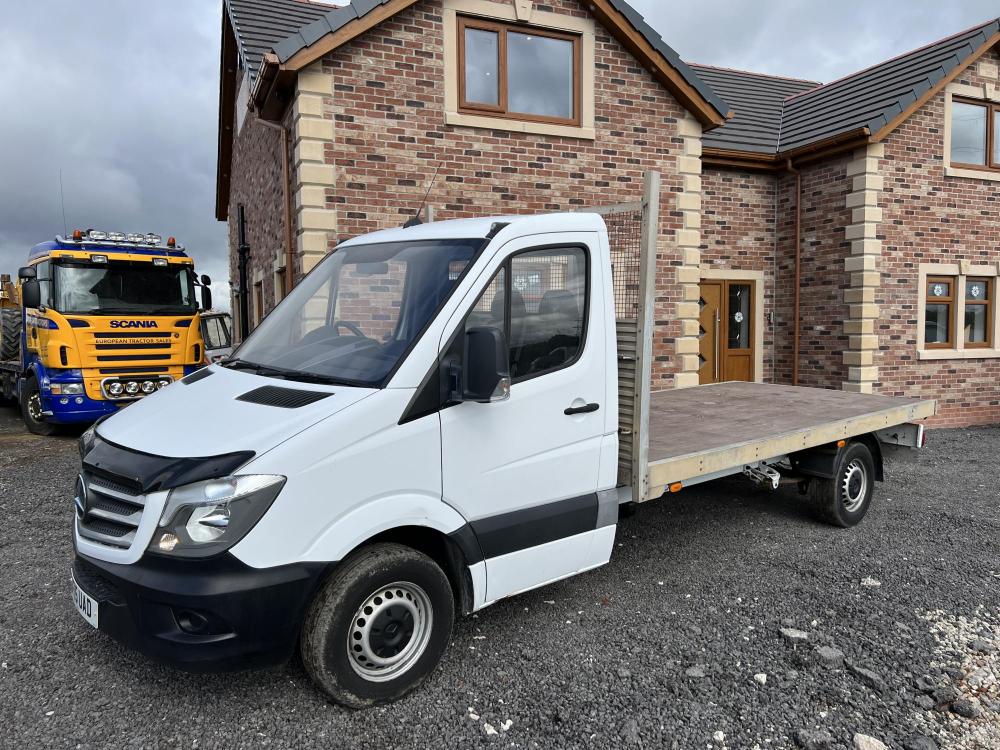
x=287, y=26
x=873, y=97
x=756, y=100
x=260, y=25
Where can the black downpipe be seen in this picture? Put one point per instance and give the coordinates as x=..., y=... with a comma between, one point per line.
x=242, y=259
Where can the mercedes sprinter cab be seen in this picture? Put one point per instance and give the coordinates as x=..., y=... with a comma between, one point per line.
x=428, y=423
x=381, y=453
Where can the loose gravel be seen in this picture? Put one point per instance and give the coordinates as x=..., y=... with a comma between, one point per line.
x=682, y=641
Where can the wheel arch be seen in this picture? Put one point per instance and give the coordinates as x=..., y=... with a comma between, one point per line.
x=443, y=549
x=874, y=447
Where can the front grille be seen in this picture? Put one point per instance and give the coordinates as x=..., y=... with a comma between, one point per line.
x=133, y=347
x=109, y=510
x=108, y=528
x=98, y=482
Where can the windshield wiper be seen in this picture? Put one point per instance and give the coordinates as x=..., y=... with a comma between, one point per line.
x=283, y=373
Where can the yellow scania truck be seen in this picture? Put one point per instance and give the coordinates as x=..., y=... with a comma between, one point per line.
x=95, y=321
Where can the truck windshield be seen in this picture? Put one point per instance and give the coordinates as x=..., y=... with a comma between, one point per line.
x=354, y=317
x=123, y=288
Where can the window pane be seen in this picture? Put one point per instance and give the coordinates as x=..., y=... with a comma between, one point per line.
x=968, y=133
x=975, y=324
x=976, y=290
x=996, y=136
x=739, y=316
x=539, y=75
x=939, y=289
x=936, y=324
x=482, y=67
x=547, y=301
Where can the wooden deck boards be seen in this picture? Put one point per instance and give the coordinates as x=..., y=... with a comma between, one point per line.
x=699, y=431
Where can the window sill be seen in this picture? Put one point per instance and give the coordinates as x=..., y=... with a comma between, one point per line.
x=943, y=354
x=522, y=126
x=977, y=174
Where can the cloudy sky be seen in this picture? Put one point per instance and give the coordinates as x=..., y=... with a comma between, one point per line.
x=121, y=96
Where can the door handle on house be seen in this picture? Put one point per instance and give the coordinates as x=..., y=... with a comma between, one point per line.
x=588, y=409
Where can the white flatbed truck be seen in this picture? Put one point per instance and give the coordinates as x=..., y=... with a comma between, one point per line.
x=436, y=418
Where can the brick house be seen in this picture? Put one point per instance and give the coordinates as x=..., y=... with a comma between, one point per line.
x=839, y=235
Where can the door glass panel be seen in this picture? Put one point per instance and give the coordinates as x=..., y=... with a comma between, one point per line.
x=540, y=75
x=975, y=324
x=739, y=316
x=968, y=133
x=936, y=324
x=547, y=304
x=939, y=289
x=482, y=67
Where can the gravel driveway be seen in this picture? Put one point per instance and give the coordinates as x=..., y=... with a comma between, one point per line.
x=890, y=631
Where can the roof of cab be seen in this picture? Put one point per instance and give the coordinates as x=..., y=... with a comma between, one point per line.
x=514, y=226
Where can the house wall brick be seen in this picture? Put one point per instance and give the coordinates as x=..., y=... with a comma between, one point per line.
x=390, y=135
x=825, y=186
x=738, y=232
x=256, y=183
x=931, y=218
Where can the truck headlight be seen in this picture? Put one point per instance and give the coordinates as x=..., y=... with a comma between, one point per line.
x=206, y=518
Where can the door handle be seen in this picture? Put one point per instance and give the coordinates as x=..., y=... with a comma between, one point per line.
x=588, y=409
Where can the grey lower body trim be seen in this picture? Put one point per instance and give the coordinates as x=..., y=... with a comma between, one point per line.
x=607, y=508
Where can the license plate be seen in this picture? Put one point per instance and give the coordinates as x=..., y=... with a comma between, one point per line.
x=85, y=605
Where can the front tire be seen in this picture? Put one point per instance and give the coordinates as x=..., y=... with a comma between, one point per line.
x=31, y=409
x=379, y=626
x=844, y=500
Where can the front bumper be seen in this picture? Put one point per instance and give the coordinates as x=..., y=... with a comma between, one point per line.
x=87, y=410
x=202, y=615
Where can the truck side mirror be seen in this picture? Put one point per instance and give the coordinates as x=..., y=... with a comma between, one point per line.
x=206, y=297
x=27, y=272
x=31, y=292
x=486, y=369
x=206, y=280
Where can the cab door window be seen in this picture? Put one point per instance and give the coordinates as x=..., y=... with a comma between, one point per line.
x=539, y=299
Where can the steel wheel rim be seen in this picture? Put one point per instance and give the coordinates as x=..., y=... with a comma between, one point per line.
x=854, y=485
x=35, y=407
x=390, y=631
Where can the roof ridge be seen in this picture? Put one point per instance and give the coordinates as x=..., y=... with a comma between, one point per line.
x=753, y=73
x=900, y=56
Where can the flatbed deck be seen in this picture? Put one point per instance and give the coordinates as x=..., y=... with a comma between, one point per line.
x=711, y=429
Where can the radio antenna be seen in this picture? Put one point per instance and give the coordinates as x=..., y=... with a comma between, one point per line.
x=62, y=200
x=415, y=221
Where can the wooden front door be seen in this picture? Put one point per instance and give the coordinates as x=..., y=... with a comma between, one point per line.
x=726, y=331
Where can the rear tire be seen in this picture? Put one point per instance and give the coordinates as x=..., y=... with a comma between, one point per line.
x=31, y=409
x=844, y=500
x=379, y=626
x=10, y=333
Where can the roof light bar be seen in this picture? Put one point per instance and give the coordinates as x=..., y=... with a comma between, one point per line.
x=153, y=239
x=116, y=236
x=133, y=237
x=94, y=234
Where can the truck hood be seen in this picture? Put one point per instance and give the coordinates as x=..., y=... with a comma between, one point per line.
x=203, y=416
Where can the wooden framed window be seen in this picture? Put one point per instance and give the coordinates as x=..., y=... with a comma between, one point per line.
x=518, y=72
x=939, y=313
x=975, y=134
x=978, y=313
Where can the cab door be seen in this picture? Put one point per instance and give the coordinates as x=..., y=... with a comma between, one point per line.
x=524, y=472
